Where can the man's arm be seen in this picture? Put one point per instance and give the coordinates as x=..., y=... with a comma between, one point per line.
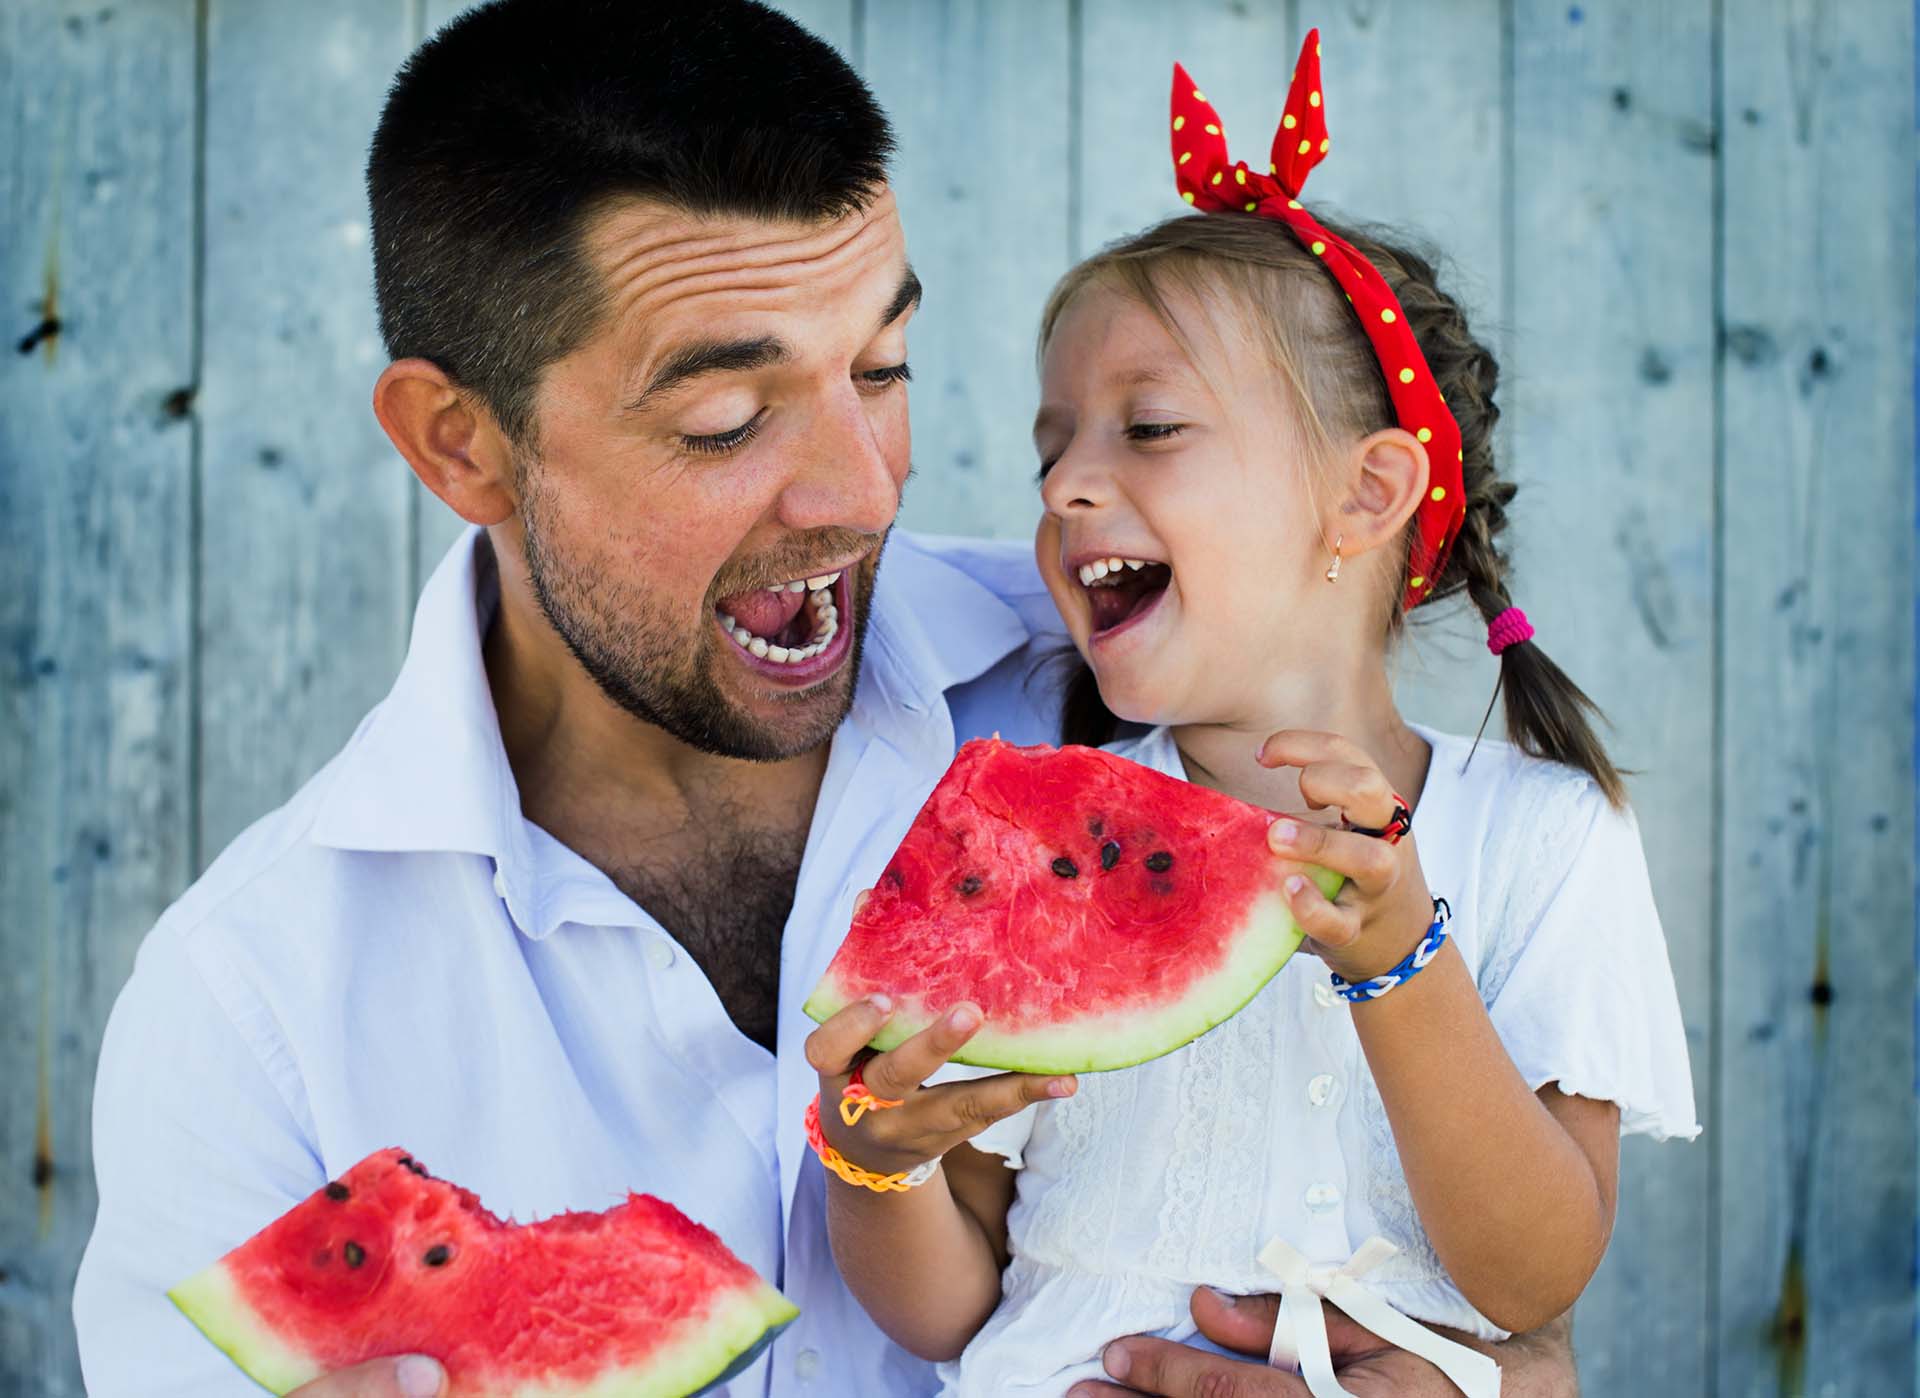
x=195, y=1149
x=1538, y=1364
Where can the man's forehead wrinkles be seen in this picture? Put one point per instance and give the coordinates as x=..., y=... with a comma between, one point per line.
x=730, y=268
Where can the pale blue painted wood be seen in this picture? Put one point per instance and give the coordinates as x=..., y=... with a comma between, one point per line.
x=96, y=490
x=305, y=509
x=1613, y=439
x=977, y=94
x=1816, y=1128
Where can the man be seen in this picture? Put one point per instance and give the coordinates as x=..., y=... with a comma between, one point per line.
x=547, y=918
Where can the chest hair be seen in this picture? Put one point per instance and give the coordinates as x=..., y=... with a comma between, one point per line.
x=725, y=894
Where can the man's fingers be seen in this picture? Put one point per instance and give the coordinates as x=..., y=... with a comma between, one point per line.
x=1243, y=1323
x=899, y=1072
x=1174, y=1370
x=833, y=1047
x=412, y=1376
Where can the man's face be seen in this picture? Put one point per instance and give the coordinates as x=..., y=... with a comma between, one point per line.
x=735, y=430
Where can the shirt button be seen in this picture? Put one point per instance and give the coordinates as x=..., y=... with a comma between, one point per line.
x=806, y=1364
x=1320, y=1089
x=1321, y=1197
x=659, y=954
x=1323, y=995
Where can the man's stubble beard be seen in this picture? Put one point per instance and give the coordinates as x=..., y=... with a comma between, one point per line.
x=660, y=676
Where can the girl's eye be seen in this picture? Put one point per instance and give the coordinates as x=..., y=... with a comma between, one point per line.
x=720, y=443
x=887, y=377
x=1046, y=465
x=1154, y=431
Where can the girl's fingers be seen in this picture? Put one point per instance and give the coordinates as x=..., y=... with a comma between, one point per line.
x=1301, y=747
x=899, y=1072
x=860, y=900
x=1358, y=789
x=966, y=1108
x=835, y=1045
x=1326, y=923
x=1369, y=863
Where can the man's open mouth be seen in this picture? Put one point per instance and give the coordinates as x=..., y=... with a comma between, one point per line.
x=796, y=631
x=1122, y=590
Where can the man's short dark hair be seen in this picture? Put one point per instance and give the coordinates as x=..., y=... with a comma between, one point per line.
x=511, y=127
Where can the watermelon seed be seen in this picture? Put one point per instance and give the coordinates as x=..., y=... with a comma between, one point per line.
x=1066, y=868
x=410, y=1163
x=337, y=1192
x=970, y=885
x=1159, y=861
x=354, y=1253
x=1109, y=854
x=438, y=1255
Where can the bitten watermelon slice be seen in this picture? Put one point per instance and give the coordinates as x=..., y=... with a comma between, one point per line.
x=1098, y=912
x=636, y=1302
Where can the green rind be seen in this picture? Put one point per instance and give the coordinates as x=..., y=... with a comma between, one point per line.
x=1267, y=937
x=741, y=1325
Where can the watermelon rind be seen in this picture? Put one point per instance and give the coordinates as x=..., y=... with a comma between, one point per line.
x=740, y=1326
x=1100, y=1043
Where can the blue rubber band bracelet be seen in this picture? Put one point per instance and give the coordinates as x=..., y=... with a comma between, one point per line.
x=1416, y=961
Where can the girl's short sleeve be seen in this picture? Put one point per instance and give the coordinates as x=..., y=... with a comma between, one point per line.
x=1585, y=997
x=1008, y=1136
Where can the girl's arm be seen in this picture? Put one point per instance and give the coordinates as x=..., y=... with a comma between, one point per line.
x=925, y=1263
x=1516, y=1191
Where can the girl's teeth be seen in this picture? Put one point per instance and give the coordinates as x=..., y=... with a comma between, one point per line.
x=1136, y=563
x=1114, y=565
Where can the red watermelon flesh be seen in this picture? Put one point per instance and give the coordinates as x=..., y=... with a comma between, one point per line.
x=1098, y=912
x=636, y=1302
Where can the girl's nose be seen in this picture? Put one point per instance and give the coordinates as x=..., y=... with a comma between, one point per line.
x=1076, y=481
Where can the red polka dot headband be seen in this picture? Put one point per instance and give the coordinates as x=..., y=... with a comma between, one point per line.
x=1211, y=182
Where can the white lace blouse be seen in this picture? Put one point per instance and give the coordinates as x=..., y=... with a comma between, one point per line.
x=1155, y=1179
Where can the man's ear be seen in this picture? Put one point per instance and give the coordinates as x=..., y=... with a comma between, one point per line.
x=1389, y=471
x=454, y=446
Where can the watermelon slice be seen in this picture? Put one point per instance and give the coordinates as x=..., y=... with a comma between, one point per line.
x=1098, y=912
x=636, y=1302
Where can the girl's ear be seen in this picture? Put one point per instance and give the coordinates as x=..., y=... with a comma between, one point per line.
x=454, y=447
x=1389, y=470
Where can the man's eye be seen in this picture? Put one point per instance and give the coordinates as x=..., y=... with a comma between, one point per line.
x=720, y=443
x=884, y=378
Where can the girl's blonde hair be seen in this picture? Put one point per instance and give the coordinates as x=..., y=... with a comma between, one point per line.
x=1327, y=368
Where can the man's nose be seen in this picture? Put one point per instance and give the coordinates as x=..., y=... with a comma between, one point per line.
x=846, y=477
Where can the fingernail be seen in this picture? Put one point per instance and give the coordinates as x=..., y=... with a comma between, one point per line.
x=1060, y=1087
x=1225, y=1299
x=964, y=1018
x=418, y=1376
x=1117, y=1361
x=1286, y=832
x=882, y=1003
x=1296, y=883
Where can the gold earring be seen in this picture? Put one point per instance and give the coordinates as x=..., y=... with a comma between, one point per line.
x=1333, y=572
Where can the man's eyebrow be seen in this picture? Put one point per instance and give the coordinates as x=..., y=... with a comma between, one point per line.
x=907, y=295
x=711, y=357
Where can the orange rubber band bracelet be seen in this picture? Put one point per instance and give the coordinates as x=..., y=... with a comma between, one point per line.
x=898, y=1183
x=856, y=1100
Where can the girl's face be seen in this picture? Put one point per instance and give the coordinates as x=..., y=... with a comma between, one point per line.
x=1180, y=541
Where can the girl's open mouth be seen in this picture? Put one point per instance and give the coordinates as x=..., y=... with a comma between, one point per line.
x=1121, y=591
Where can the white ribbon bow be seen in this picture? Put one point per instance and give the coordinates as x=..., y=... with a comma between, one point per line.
x=1300, y=1332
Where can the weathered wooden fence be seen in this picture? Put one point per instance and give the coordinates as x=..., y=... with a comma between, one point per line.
x=1691, y=221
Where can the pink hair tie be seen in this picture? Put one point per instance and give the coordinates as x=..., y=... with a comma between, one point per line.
x=1510, y=628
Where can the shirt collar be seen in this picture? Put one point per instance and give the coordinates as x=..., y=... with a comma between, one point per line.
x=427, y=770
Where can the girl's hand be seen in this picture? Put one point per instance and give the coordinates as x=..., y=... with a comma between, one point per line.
x=1384, y=909
x=930, y=1120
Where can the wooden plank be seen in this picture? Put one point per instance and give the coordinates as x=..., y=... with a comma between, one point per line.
x=978, y=94
x=1816, y=1132
x=96, y=460
x=1613, y=439
x=305, y=520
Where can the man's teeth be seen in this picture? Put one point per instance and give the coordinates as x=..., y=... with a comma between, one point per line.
x=1091, y=573
x=824, y=581
x=826, y=624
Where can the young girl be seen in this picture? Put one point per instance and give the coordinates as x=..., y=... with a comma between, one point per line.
x=1262, y=442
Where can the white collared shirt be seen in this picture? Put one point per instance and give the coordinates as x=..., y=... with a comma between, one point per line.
x=398, y=957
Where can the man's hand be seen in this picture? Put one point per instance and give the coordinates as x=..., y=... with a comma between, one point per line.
x=413, y=1376
x=1538, y=1365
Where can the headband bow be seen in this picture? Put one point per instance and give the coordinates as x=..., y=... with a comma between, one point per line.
x=1211, y=182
